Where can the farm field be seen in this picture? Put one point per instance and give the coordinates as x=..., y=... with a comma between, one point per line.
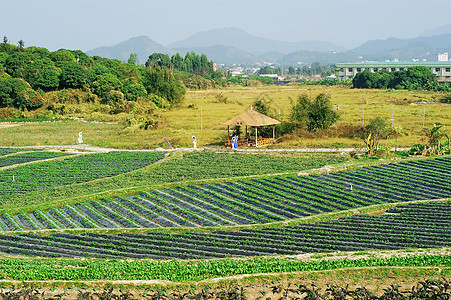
x=72, y=170
x=418, y=225
x=178, y=125
x=22, y=158
x=244, y=202
x=178, y=167
x=188, y=217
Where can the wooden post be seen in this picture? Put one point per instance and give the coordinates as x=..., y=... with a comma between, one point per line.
x=256, y=141
x=273, y=134
x=247, y=141
x=228, y=135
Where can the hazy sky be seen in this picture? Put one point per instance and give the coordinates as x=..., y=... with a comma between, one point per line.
x=87, y=24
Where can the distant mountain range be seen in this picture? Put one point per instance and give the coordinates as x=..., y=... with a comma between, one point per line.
x=235, y=46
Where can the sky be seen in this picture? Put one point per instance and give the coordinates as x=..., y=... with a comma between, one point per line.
x=88, y=24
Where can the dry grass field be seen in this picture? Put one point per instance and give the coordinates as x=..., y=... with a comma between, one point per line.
x=219, y=105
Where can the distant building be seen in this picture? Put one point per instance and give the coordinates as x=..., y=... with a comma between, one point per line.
x=443, y=56
x=348, y=70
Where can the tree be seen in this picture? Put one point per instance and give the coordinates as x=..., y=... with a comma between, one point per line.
x=162, y=83
x=438, y=139
x=321, y=114
x=133, y=59
x=21, y=45
x=177, y=62
x=73, y=75
x=158, y=60
x=133, y=90
x=299, y=115
x=16, y=62
x=34, y=69
x=5, y=47
x=313, y=114
x=49, y=80
x=61, y=57
x=16, y=92
x=364, y=80
x=420, y=77
x=373, y=133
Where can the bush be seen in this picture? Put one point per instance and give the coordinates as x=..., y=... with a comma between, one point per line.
x=446, y=99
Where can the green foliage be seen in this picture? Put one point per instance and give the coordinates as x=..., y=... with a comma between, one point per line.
x=133, y=59
x=105, y=83
x=416, y=77
x=61, y=57
x=110, y=79
x=133, y=90
x=15, y=92
x=73, y=75
x=34, y=70
x=159, y=60
x=161, y=82
x=82, y=58
x=372, y=133
x=446, y=99
x=180, y=270
x=49, y=80
x=16, y=62
x=313, y=114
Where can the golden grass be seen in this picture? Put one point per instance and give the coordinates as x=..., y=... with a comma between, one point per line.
x=178, y=125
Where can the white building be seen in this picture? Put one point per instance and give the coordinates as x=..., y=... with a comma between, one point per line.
x=443, y=56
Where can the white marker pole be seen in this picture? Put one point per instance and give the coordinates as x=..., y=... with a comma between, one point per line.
x=424, y=113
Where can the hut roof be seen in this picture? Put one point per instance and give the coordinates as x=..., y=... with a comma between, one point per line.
x=251, y=118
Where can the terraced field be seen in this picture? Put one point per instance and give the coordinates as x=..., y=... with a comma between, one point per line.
x=18, y=181
x=21, y=158
x=424, y=225
x=256, y=201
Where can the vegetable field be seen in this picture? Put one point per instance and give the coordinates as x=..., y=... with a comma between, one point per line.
x=72, y=170
x=254, y=201
x=57, y=269
x=21, y=158
x=425, y=225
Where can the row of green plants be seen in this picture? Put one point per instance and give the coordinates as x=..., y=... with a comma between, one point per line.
x=180, y=271
x=21, y=158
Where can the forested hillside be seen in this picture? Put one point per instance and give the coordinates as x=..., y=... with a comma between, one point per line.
x=38, y=83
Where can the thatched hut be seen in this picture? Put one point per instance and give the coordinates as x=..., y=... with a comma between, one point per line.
x=251, y=118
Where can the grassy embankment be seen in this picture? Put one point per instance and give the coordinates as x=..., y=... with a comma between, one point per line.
x=179, y=124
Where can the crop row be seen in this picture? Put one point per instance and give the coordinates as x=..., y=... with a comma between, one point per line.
x=57, y=269
x=10, y=150
x=247, y=201
x=425, y=225
x=72, y=170
x=26, y=157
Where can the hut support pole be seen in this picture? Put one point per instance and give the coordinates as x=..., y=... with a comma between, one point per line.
x=256, y=141
x=247, y=140
x=273, y=134
x=228, y=135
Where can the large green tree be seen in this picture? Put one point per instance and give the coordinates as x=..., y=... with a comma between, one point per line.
x=74, y=76
x=16, y=92
x=313, y=114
